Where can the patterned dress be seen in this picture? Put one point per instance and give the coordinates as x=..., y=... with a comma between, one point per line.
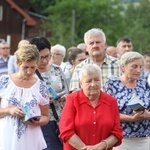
x=14, y=134
x=54, y=78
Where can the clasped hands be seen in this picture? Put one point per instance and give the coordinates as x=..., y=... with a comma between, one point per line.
x=99, y=146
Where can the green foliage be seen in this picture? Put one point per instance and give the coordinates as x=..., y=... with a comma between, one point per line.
x=87, y=14
x=68, y=20
x=41, y=5
x=138, y=25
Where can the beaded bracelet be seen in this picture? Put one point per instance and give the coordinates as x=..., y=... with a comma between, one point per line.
x=105, y=143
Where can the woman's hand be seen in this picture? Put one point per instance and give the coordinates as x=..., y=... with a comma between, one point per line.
x=43, y=120
x=138, y=115
x=63, y=98
x=93, y=147
x=146, y=114
x=16, y=111
x=33, y=122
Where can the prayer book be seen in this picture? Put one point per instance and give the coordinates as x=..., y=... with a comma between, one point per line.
x=28, y=114
x=136, y=104
x=54, y=95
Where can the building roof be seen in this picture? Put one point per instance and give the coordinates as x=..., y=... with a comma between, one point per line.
x=29, y=20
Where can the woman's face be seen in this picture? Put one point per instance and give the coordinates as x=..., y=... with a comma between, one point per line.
x=90, y=84
x=45, y=57
x=56, y=57
x=133, y=69
x=27, y=69
x=80, y=57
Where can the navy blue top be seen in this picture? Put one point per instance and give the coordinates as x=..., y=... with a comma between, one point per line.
x=123, y=94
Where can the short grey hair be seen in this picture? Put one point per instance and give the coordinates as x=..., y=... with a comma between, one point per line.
x=89, y=69
x=94, y=32
x=130, y=57
x=60, y=48
x=4, y=42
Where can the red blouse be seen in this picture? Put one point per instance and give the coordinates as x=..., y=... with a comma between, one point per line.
x=91, y=124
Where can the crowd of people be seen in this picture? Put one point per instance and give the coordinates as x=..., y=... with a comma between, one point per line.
x=78, y=104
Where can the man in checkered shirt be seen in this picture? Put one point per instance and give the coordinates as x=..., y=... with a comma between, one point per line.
x=95, y=41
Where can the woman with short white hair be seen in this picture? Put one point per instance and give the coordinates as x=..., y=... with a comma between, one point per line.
x=58, y=53
x=90, y=117
x=135, y=123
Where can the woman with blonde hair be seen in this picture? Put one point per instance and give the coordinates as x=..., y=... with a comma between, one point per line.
x=20, y=90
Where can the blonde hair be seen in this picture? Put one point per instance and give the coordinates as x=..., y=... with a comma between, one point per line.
x=22, y=42
x=27, y=52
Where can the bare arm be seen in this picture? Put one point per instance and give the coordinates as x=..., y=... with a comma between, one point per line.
x=76, y=142
x=15, y=111
x=45, y=115
x=111, y=140
x=136, y=117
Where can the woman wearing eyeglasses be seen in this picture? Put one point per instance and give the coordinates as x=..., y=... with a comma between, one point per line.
x=58, y=53
x=53, y=77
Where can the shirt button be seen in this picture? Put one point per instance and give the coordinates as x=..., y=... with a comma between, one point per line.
x=94, y=112
x=94, y=122
x=93, y=134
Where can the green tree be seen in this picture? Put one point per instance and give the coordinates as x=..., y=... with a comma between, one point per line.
x=41, y=5
x=69, y=20
x=138, y=25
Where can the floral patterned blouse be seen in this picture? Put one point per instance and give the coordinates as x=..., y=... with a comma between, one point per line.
x=123, y=94
x=14, y=134
x=54, y=78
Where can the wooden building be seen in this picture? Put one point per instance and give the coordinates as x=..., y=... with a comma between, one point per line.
x=19, y=20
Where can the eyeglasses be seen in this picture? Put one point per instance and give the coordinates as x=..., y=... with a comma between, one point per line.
x=47, y=57
x=55, y=54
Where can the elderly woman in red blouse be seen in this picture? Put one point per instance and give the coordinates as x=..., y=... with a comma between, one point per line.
x=90, y=118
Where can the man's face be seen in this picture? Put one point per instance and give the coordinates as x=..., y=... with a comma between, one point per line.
x=96, y=46
x=124, y=47
x=147, y=62
x=112, y=51
x=4, y=49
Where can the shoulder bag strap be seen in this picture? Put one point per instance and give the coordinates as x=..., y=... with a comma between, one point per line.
x=51, y=104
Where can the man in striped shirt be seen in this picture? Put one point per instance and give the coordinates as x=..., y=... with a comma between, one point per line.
x=4, y=57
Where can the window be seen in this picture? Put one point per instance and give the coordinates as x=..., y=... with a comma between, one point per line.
x=1, y=13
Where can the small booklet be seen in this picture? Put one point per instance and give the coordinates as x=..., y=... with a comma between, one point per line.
x=136, y=104
x=54, y=95
x=29, y=115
